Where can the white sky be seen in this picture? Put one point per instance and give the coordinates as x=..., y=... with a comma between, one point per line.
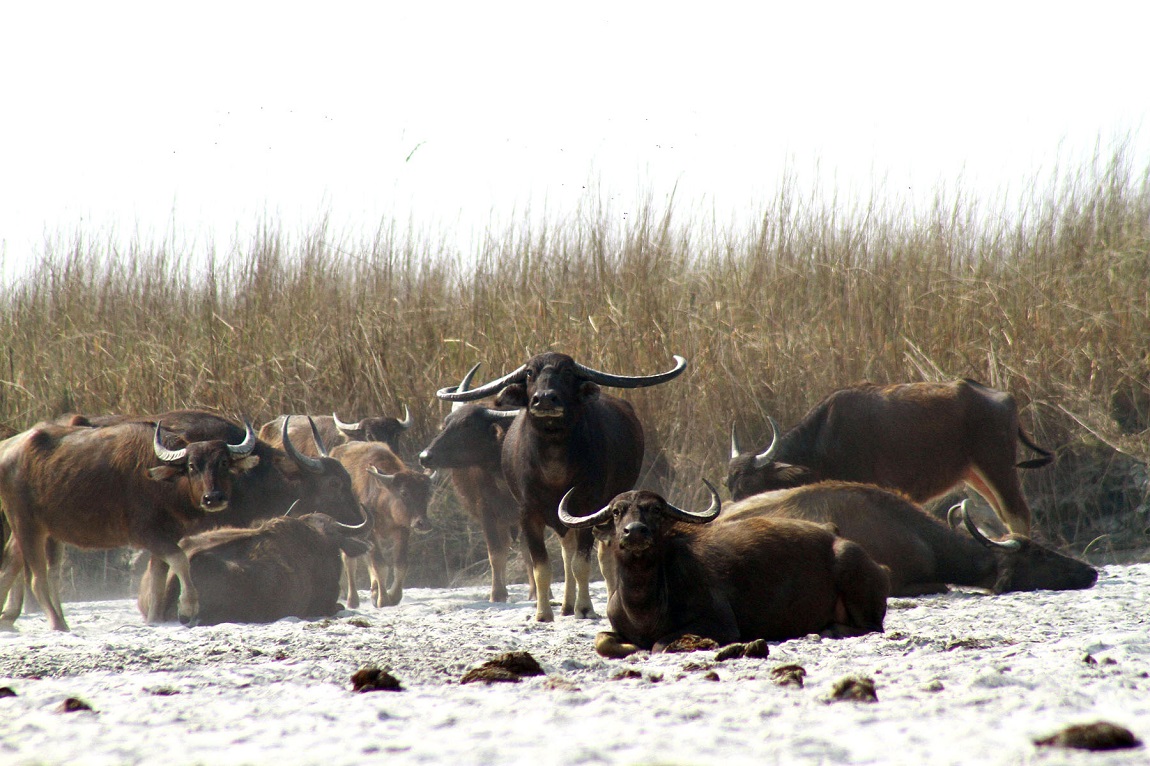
x=124, y=119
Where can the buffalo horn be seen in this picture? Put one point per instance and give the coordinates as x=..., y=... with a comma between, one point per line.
x=632, y=381
x=956, y=514
x=292, y=508
x=735, y=450
x=320, y=447
x=697, y=517
x=465, y=384
x=453, y=394
x=306, y=461
x=346, y=427
x=163, y=453
x=579, y=522
x=764, y=458
x=244, y=448
x=362, y=528
x=386, y=478
x=976, y=533
x=407, y=421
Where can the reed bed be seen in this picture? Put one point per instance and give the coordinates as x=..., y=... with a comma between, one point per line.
x=1050, y=301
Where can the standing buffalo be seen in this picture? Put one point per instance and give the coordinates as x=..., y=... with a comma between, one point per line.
x=922, y=553
x=470, y=445
x=919, y=438
x=772, y=579
x=334, y=431
x=396, y=498
x=107, y=488
x=567, y=434
x=284, y=567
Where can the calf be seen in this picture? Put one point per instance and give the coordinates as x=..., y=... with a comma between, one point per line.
x=396, y=498
x=923, y=553
x=772, y=579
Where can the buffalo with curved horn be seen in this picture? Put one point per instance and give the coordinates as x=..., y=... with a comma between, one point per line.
x=567, y=433
x=677, y=573
x=469, y=445
x=918, y=438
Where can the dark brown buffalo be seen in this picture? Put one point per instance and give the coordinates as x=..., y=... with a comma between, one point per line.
x=396, y=497
x=284, y=567
x=334, y=431
x=923, y=553
x=919, y=438
x=282, y=478
x=567, y=434
x=107, y=488
x=774, y=579
x=470, y=446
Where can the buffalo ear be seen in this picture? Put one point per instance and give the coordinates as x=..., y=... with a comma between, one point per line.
x=588, y=391
x=165, y=473
x=514, y=395
x=246, y=464
x=603, y=532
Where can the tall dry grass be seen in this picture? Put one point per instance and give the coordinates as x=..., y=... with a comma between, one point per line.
x=1050, y=301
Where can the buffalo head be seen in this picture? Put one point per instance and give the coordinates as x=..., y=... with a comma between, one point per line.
x=375, y=429
x=1024, y=564
x=206, y=465
x=751, y=474
x=472, y=434
x=552, y=387
x=637, y=521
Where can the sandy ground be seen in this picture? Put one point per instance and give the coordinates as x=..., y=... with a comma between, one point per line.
x=960, y=678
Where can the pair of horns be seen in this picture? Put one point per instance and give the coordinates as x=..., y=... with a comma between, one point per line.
x=405, y=424
x=603, y=514
x=460, y=394
x=243, y=449
x=766, y=456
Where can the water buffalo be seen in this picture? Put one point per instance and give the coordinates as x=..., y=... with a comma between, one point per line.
x=923, y=553
x=470, y=446
x=107, y=488
x=567, y=434
x=396, y=498
x=334, y=431
x=773, y=579
x=284, y=567
x=919, y=438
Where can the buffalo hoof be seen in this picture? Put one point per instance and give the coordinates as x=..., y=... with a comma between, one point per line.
x=8, y=627
x=611, y=645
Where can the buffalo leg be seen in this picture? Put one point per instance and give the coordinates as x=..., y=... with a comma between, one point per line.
x=540, y=568
x=498, y=540
x=577, y=569
x=36, y=569
x=402, y=537
x=11, y=586
x=176, y=560
x=862, y=586
x=350, y=565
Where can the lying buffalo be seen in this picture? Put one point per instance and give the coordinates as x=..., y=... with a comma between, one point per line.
x=285, y=567
x=772, y=579
x=923, y=553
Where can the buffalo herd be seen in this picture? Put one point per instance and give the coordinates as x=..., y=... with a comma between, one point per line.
x=826, y=520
